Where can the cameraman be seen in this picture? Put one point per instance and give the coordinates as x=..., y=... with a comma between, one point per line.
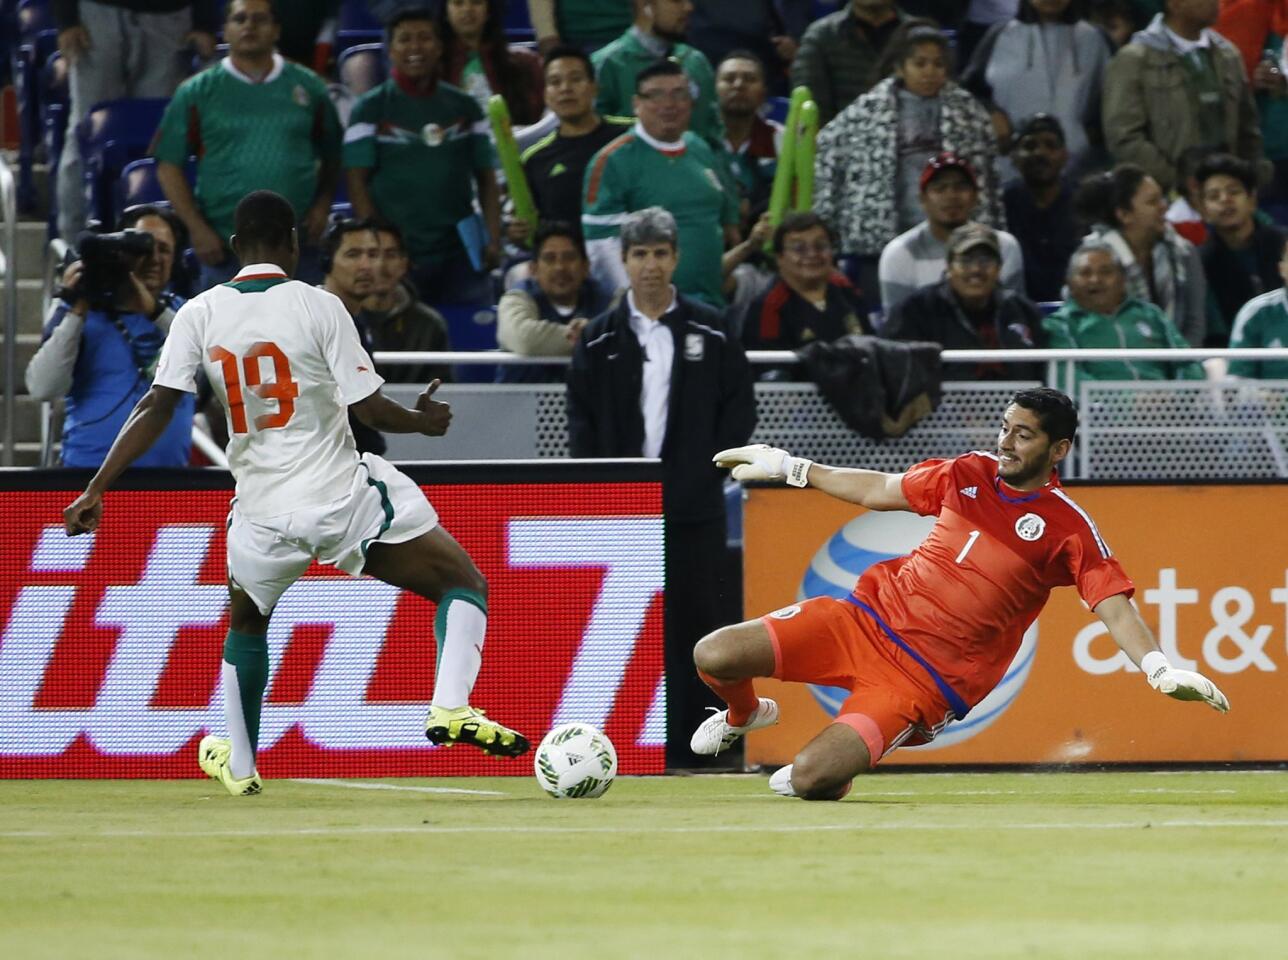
x=102, y=340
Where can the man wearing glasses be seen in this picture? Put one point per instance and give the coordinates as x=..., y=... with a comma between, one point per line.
x=811, y=299
x=660, y=162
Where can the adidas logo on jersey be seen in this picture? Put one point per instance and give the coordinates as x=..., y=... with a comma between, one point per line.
x=969, y=492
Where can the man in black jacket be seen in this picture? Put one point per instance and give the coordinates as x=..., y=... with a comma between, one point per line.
x=1241, y=254
x=658, y=376
x=969, y=311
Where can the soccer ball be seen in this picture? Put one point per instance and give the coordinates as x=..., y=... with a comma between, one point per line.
x=576, y=761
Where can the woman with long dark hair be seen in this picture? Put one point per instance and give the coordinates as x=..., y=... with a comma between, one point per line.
x=1125, y=207
x=477, y=58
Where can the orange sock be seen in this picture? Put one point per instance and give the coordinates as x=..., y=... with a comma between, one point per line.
x=739, y=694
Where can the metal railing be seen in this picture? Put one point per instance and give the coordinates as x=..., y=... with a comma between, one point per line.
x=1070, y=358
x=9, y=274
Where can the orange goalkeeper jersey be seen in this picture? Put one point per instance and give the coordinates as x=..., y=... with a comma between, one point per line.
x=961, y=601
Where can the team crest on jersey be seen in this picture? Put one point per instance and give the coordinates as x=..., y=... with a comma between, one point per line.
x=432, y=134
x=694, y=346
x=300, y=96
x=786, y=613
x=1030, y=527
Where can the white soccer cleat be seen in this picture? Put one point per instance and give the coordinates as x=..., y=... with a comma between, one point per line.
x=781, y=782
x=715, y=734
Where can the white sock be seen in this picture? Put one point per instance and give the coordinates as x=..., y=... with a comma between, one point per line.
x=242, y=761
x=461, y=653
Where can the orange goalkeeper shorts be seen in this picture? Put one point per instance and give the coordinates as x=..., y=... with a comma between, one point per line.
x=893, y=700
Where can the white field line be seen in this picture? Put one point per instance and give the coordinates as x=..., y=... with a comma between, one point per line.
x=361, y=785
x=627, y=829
x=930, y=795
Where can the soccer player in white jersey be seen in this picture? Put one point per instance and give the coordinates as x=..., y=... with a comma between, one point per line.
x=286, y=362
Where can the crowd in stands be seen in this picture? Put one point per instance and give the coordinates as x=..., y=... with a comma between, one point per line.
x=994, y=174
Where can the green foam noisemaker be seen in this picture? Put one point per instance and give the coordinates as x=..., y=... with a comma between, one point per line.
x=507, y=150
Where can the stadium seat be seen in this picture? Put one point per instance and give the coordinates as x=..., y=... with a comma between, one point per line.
x=138, y=184
x=112, y=134
x=356, y=25
x=355, y=15
x=516, y=18
x=470, y=327
x=362, y=67
x=53, y=98
x=37, y=39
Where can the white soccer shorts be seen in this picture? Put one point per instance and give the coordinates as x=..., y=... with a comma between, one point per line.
x=267, y=555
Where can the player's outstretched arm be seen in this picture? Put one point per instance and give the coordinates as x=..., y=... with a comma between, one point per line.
x=868, y=488
x=1134, y=637
x=430, y=417
x=146, y=422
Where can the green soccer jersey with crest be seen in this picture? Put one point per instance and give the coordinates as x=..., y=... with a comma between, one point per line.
x=423, y=152
x=592, y=23
x=618, y=64
x=630, y=174
x=247, y=135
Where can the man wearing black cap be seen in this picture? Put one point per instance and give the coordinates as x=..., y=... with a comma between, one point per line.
x=917, y=257
x=1039, y=205
x=968, y=310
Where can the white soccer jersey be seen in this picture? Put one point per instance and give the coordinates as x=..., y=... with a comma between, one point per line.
x=286, y=362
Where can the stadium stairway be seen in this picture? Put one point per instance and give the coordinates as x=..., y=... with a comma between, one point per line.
x=30, y=261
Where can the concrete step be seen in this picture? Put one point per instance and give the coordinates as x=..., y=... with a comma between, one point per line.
x=30, y=317
x=30, y=257
x=26, y=420
x=26, y=454
x=27, y=343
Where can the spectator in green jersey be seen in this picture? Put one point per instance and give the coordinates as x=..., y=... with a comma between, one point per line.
x=660, y=162
x=254, y=121
x=1100, y=314
x=588, y=24
x=415, y=153
x=1263, y=322
x=657, y=33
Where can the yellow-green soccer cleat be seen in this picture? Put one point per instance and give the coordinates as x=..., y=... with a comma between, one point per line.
x=213, y=753
x=465, y=724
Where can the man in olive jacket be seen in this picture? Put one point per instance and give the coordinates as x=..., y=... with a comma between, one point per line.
x=1179, y=84
x=659, y=376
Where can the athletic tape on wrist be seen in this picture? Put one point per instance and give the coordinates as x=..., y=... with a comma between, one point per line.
x=1154, y=665
x=798, y=471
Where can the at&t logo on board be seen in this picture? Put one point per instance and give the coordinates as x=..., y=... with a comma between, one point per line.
x=872, y=538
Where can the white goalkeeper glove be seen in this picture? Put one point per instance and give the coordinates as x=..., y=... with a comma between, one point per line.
x=759, y=461
x=1181, y=684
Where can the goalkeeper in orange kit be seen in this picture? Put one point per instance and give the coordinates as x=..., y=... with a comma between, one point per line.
x=923, y=638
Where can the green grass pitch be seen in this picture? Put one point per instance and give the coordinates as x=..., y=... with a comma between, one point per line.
x=993, y=865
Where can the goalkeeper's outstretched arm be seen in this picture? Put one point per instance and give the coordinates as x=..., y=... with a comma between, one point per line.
x=1137, y=641
x=867, y=488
